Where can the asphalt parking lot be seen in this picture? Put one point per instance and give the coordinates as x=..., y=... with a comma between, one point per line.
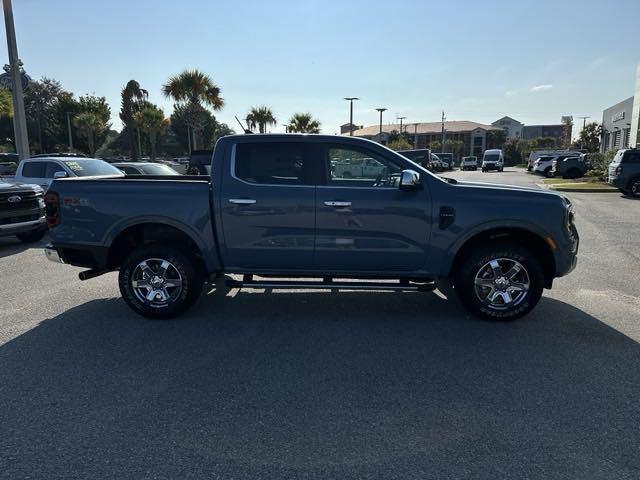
x=327, y=385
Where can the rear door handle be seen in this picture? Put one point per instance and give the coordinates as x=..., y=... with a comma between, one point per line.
x=337, y=204
x=242, y=201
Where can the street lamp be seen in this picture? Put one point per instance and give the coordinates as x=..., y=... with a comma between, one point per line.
x=381, y=110
x=350, y=100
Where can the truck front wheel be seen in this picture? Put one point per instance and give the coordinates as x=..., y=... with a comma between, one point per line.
x=159, y=281
x=501, y=281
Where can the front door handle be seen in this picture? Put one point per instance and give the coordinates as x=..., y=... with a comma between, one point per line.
x=242, y=201
x=337, y=204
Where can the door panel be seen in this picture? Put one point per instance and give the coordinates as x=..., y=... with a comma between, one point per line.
x=268, y=208
x=367, y=224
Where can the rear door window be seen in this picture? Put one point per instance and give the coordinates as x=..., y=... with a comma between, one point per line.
x=34, y=169
x=632, y=157
x=273, y=163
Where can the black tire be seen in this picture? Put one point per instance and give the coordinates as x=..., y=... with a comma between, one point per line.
x=31, y=237
x=572, y=173
x=623, y=191
x=190, y=277
x=472, y=265
x=548, y=172
x=634, y=187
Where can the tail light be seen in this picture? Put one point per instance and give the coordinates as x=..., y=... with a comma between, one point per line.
x=51, y=202
x=619, y=170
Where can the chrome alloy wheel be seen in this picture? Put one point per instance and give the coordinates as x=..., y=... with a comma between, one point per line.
x=501, y=283
x=156, y=282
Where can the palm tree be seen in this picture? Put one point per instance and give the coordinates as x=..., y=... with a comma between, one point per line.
x=6, y=103
x=195, y=89
x=303, y=123
x=260, y=117
x=89, y=124
x=132, y=98
x=151, y=120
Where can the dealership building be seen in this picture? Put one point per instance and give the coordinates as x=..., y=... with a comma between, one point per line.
x=473, y=135
x=621, y=122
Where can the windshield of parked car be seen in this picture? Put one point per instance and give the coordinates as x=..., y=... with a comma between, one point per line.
x=158, y=169
x=90, y=167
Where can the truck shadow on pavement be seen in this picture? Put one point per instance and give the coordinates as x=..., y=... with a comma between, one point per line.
x=319, y=385
x=11, y=246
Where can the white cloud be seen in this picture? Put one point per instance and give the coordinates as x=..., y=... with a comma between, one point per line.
x=541, y=88
x=510, y=93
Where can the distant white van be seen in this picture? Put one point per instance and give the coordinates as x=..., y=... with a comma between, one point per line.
x=492, y=160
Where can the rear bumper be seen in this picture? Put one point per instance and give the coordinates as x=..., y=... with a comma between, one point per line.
x=88, y=256
x=23, y=227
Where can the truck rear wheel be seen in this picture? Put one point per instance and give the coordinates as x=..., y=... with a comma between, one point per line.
x=634, y=187
x=159, y=281
x=501, y=281
x=31, y=237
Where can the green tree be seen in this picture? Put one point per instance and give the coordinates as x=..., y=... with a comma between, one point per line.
x=6, y=103
x=132, y=96
x=194, y=90
x=151, y=121
x=400, y=143
x=495, y=138
x=590, y=137
x=211, y=129
x=260, y=117
x=303, y=123
x=90, y=125
x=512, y=152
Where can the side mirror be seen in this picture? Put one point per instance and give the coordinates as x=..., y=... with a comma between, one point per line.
x=60, y=175
x=409, y=180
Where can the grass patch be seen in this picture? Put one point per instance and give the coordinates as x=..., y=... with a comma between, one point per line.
x=553, y=181
x=583, y=186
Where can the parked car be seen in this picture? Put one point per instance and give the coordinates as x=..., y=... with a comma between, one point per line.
x=533, y=156
x=492, y=160
x=469, y=163
x=424, y=157
x=358, y=167
x=447, y=160
x=272, y=207
x=43, y=170
x=569, y=167
x=8, y=169
x=543, y=165
x=22, y=212
x=144, y=168
x=624, y=171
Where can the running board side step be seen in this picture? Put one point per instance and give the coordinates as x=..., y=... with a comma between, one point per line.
x=249, y=282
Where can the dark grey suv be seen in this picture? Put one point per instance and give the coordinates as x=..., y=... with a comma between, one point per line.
x=624, y=171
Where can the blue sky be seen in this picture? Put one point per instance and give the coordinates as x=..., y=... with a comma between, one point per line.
x=532, y=60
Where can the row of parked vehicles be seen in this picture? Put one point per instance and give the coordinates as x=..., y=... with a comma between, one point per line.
x=559, y=163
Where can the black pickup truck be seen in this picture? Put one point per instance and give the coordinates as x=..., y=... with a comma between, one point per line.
x=22, y=212
x=276, y=207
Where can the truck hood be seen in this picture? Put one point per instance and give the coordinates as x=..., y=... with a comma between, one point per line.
x=507, y=189
x=6, y=186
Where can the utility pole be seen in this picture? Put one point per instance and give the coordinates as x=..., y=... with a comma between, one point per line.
x=350, y=100
x=401, y=119
x=415, y=136
x=443, y=132
x=19, y=117
x=69, y=131
x=381, y=110
x=584, y=124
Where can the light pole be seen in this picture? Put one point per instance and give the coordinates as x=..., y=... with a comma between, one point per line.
x=19, y=117
x=350, y=100
x=381, y=110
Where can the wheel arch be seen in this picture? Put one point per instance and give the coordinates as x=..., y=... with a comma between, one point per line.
x=533, y=241
x=150, y=232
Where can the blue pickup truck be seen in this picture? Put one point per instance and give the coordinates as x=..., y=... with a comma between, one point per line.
x=275, y=213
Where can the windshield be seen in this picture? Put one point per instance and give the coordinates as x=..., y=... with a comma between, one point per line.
x=90, y=167
x=158, y=169
x=492, y=157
